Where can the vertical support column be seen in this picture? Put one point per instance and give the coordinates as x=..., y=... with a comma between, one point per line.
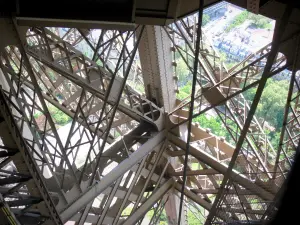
x=253, y=6
x=172, y=210
x=172, y=205
x=7, y=216
x=157, y=69
x=156, y=62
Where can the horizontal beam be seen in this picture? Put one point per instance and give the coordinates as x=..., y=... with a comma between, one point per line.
x=200, y=134
x=89, y=195
x=24, y=202
x=7, y=215
x=13, y=180
x=154, y=198
x=195, y=172
x=215, y=191
x=222, y=168
x=175, y=153
x=243, y=211
x=196, y=198
x=92, y=218
x=90, y=24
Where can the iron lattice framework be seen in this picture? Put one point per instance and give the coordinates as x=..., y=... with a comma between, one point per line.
x=121, y=153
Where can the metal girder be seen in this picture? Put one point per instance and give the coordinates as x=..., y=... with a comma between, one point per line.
x=156, y=62
x=289, y=135
x=38, y=187
x=24, y=202
x=221, y=168
x=253, y=6
x=278, y=33
x=127, y=195
x=229, y=88
x=13, y=180
x=130, y=103
x=47, y=22
x=191, y=108
x=84, y=86
x=194, y=197
x=21, y=97
x=92, y=219
x=142, y=210
x=207, y=76
x=6, y=215
x=215, y=191
x=221, y=89
x=27, y=99
x=111, y=177
x=43, y=103
x=195, y=172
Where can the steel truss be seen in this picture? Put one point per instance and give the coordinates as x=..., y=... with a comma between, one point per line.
x=119, y=155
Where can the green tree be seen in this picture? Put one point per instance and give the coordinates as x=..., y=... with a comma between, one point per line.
x=272, y=102
x=271, y=106
x=260, y=21
x=223, y=56
x=59, y=117
x=238, y=20
x=205, y=19
x=184, y=91
x=163, y=220
x=214, y=124
x=274, y=137
x=182, y=72
x=195, y=218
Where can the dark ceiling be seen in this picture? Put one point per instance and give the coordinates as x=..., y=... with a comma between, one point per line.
x=99, y=10
x=154, y=12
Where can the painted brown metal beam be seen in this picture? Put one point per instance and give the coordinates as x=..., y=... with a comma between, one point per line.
x=222, y=168
x=96, y=189
x=195, y=172
x=229, y=175
x=153, y=199
x=215, y=191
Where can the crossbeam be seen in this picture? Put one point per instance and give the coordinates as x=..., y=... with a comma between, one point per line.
x=221, y=168
x=89, y=195
x=143, y=209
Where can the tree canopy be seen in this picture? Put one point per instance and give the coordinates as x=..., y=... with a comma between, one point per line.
x=271, y=106
x=205, y=19
x=182, y=72
x=270, y=109
x=272, y=102
x=257, y=21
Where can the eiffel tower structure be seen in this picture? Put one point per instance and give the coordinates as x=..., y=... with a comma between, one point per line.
x=92, y=130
